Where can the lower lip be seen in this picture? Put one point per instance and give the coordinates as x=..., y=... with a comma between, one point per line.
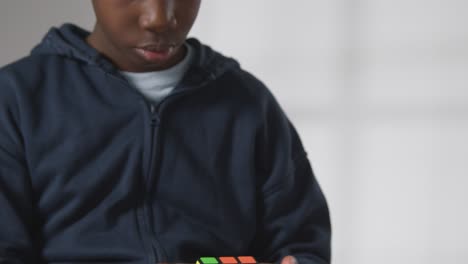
x=154, y=56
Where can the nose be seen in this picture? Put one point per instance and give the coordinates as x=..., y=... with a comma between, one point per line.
x=157, y=15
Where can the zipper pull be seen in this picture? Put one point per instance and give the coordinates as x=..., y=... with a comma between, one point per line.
x=154, y=115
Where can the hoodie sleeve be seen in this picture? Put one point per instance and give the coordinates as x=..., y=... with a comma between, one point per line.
x=15, y=186
x=292, y=212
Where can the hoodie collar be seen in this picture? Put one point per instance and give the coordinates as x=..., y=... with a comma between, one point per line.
x=69, y=40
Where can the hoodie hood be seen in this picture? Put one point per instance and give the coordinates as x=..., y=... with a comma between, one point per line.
x=68, y=40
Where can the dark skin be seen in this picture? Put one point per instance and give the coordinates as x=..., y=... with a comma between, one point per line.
x=125, y=27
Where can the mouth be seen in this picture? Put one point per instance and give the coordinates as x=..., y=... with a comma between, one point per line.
x=155, y=53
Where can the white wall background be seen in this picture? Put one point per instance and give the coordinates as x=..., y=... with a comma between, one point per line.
x=378, y=90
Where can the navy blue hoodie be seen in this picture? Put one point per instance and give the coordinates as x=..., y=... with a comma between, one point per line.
x=92, y=172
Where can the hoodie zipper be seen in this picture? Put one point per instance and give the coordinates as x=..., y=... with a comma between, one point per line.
x=154, y=251
x=156, y=254
x=156, y=113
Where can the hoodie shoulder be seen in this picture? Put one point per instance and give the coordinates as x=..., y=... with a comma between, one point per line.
x=244, y=88
x=227, y=71
x=31, y=69
x=22, y=80
x=24, y=68
x=247, y=83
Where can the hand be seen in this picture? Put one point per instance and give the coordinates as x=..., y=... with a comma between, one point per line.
x=289, y=260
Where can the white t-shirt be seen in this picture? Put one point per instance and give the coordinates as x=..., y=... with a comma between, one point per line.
x=158, y=84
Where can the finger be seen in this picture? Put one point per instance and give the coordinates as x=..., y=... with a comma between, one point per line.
x=289, y=260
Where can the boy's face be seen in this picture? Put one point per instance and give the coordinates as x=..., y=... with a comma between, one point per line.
x=143, y=35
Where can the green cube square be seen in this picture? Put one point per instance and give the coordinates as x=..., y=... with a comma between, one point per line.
x=209, y=260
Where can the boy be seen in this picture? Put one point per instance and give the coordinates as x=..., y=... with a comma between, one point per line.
x=133, y=144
